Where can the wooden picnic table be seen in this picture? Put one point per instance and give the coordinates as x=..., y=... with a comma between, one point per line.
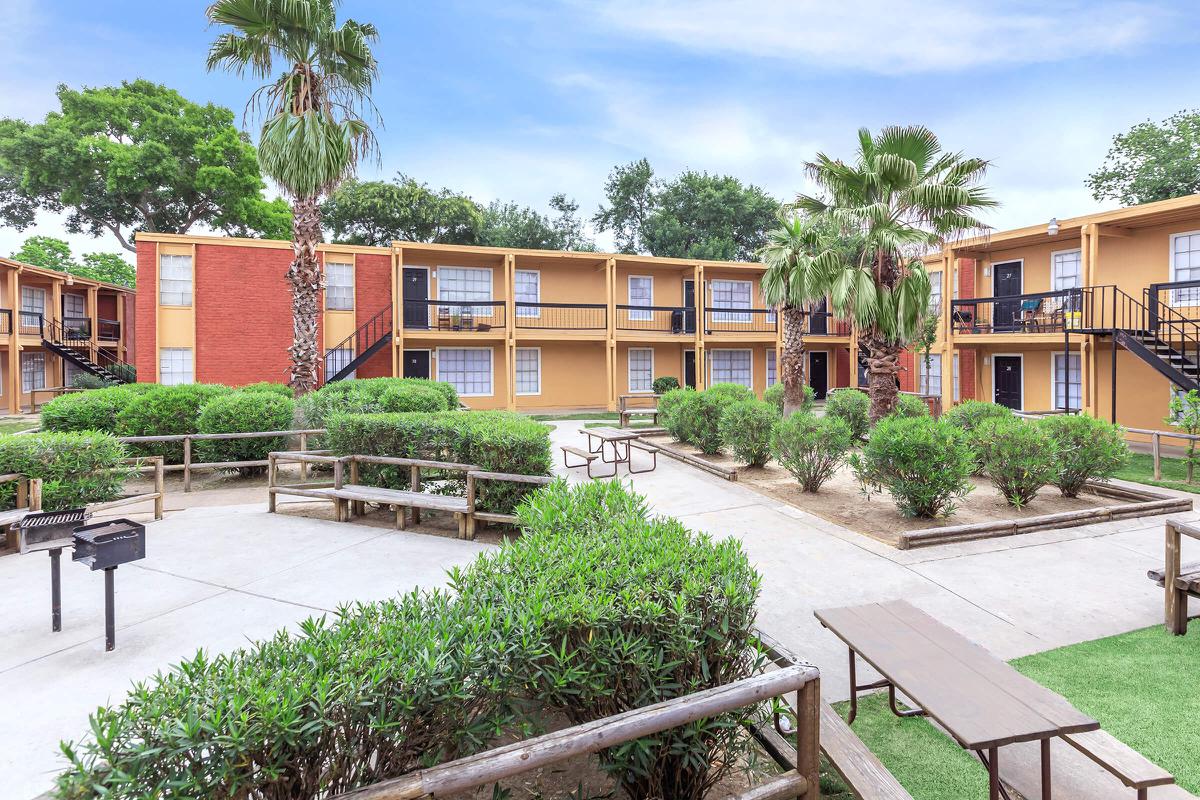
x=614, y=437
x=978, y=699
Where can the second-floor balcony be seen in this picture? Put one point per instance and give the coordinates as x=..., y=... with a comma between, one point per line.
x=454, y=315
x=561, y=316
x=823, y=323
x=740, y=320
x=676, y=320
x=69, y=329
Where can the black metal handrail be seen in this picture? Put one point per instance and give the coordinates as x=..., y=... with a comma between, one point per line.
x=108, y=329
x=30, y=323
x=740, y=320
x=825, y=323
x=361, y=340
x=75, y=328
x=5, y=321
x=453, y=315
x=656, y=319
x=1035, y=312
x=561, y=316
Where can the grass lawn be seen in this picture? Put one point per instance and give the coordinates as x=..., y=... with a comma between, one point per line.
x=16, y=426
x=576, y=415
x=1174, y=472
x=1141, y=686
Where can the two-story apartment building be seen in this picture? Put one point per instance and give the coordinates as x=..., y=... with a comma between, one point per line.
x=54, y=326
x=515, y=329
x=1099, y=313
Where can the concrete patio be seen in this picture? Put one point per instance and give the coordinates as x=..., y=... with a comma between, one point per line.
x=219, y=576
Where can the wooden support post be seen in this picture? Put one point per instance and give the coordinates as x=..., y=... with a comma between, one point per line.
x=808, y=737
x=414, y=484
x=187, y=463
x=469, y=530
x=1157, y=457
x=160, y=490
x=272, y=480
x=357, y=507
x=339, y=505
x=35, y=494
x=303, y=464
x=1175, y=601
x=22, y=492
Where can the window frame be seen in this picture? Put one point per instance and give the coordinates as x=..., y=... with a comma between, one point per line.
x=923, y=377
x=711, y=362
x=478, y=311
x=528, y=313
x=191, y=280
x=935, y=291
x=325, y=362
x=956, y=377
x=28, y=356
x=639, y=316
x=516, y=371
x=729, y=314
x=629, y=370
x=1054, y=276
x=74, y=296
x=491, y=351
x=349, y=265
x=1187, y=297
x=192, y=360
x=1054, y=357
x=770, y=368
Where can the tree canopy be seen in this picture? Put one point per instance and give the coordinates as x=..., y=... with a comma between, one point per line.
x=138, y=156
x=51, y=253
x=695, y=215
x=1151, y=162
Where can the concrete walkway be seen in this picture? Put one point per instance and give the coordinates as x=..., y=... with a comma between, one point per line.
x=218, y=577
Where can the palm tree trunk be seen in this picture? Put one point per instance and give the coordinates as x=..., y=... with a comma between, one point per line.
x=791, y=361
x=305, y=279
x=883, y=366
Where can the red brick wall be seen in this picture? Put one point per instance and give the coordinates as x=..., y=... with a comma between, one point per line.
x=966, y=278
x=372, y=294
x=129, y=327
x=144, y=318
x=967, y=366
x=842, y=369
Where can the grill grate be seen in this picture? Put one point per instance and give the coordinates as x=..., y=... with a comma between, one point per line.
x=49, y=529
x=68, y=517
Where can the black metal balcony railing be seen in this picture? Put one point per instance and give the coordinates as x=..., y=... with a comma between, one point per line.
x=76, y=329
x=30, y=323
x=5, y=321
x=561, y=316
x=108, y=330
x=740, y=320
x=1040, y=312
x=823, y=323
x=656, y=319
x=453, y=315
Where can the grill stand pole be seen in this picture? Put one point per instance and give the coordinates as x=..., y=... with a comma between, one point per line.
x=110, y=628
x=55, y=590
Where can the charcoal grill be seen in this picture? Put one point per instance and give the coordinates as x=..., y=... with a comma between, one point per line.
x=106, y=546
x=51, y=531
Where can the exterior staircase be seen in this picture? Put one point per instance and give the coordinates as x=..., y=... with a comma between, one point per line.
x=1164, y=357
x=1149, y=328
x=79, y=351
x=367, y=340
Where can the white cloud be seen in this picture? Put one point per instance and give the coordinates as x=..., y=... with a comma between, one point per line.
x=889, y=36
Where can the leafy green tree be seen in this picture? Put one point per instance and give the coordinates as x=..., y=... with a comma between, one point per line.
x=107, y=267
x=313, y=133
x=902, y=195
x=381, y=212
x=1151, y=162
x=695, y=215
x=1185, y=415
x=120, y=159
x=50, y=253
x=510, y=225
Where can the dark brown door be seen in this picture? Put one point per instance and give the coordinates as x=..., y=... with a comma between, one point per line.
x=416, y=363
x=1008, y=380
x=416, y=292
x=689, y=369
x=1006, y=282
x=689, y=307
x=818, y=374
x=818, y=324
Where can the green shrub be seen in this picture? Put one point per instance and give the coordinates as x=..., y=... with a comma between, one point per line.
x=496, y=441
x=673, y=413
x=365, y=396
x=1019, y=458
x=76, y=467
x=1085, y=448
x=86, y=380
x=702, y=419
x=774, y=396
x=243, y=412
x=267, y=386
x=730, y=392
x=852, y=407
x=923, y=463
x=908, y=405
x=171, y=410
x=811, y=448
x=970, y=414
x=412, y=397
x=664, y=384
x=379, y=690
x=93, y=410
x=126, y=373
x=746, y=427
x=631, y=611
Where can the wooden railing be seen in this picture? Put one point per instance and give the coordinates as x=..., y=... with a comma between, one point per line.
x=188, y=466
x=491, y=766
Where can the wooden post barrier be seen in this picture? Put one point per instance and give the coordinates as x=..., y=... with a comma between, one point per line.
x=1157, y=456
x=187, y=464
x=303, y=448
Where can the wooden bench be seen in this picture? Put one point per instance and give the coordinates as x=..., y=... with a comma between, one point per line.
x=507, y=477
x=1091, y=766
x=28, y=500
x=1179, y=581
x=624, y=412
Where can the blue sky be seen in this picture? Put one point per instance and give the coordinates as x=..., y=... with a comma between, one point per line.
x=518, y=100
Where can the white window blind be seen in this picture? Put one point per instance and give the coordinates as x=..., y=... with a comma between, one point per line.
x=74, y=305
x=339, y=286
x=464, y=284
x=527, y=288
x=935, y=292
x=730, y=294
x=929, y=378
x=641, y=369
x=336, y=360
x=33, y=371
x=175, y=280
x=771, y=366
x=175, y=366
x=468, y=370
x=1066, y=269
x=730, y=366
x=529, y=370
x=957, y=381
x=641, y=293
x=1068, y=383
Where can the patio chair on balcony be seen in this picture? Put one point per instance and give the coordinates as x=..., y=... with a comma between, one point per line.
x=1035, y=317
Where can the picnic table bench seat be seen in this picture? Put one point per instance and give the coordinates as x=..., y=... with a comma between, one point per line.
x=1179, y=581
x=1188, y=580
x=1108, y=768
x=860, y=769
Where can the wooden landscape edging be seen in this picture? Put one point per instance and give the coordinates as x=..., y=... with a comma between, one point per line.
x=728, y=473
x=1140, y=503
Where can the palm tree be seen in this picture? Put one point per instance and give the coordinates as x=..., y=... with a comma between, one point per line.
x=313, y=134
x=903, y=196
x=793, y=281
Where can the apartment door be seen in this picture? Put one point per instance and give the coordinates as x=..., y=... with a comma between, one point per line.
x=818, y=373
x=416, y=292
x=689, y=307
x=818, y=320
x=689, y=368
x=1006, y=282
x=862, y=368
x=1007, y=381
x=416, y=364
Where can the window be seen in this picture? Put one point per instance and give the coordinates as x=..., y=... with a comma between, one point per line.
x=74, y=305
x=641, y=369
x=527, y=288
x=529, y=370
x=957, y=385
x=929, y=376
x=33, y=371
x=1185, y=266
x=33, y=307
x=336, y=360
x=730, y=294
x=175, y=280
x=935, y=293
x=70, y=372
x=175, y=366
x=954, y=286
x=466, y=283
x=339, y=286
x=641, y=293
x=1065, y=268
x=730, y=366
x=1068, y=386
x=771, y=365
x=467, y=369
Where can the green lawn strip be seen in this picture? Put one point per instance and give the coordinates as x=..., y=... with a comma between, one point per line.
x=575, y=415
x=1141, y=686
x=16, y=426
x=1140, y=469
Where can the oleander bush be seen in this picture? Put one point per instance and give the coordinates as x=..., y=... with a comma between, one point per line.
x=366, y=396
x=746, y=428
x=853, y=407
x=243, y=412
x=664, y=384
x=774, y=396
x=702, y=418
x=376, y=691
x=970, y=414
x=412, y=397
x=1019, y=458
x=908, y=405
x=496, y=441
x=673, y=413
x=169, y=410
x=811, y=448
x=86, y=380
x=923, y=463
x=93, y=410
x=1085, y=449
x=281, y=389
x=631, y=610
x=76, y=467
x=730, y=392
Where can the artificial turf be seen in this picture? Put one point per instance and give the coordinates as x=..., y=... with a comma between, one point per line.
x=1140, y=469
x=1141, y=686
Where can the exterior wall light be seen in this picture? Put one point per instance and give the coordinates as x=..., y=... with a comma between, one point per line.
x=1052, y=228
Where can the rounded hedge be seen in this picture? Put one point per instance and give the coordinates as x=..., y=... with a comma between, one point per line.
x=76, y=467
x=923, y=463
x=746, y=428
x=664, y=384
x=243, y=412
x=93, y=410
x=412, y=397
x=852, y=407
x=811, y=448
x=268, y=386
x=774, y=396
x=166, y=411
x=365, y=396
x=908, y=405
x=1018, y=457
x=970, y=414
x=1085, y=448
x=672, y=411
